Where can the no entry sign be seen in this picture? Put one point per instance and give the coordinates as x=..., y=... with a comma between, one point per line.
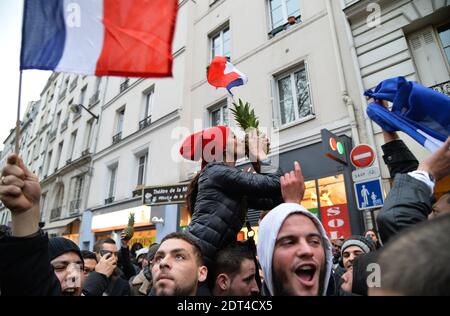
x=362, y=156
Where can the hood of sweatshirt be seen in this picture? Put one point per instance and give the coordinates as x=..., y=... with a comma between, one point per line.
x=268, y=232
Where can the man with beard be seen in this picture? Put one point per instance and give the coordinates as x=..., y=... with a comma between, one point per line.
x=178, y=266
x=293, y=248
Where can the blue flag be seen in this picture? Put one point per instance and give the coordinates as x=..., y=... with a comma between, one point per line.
x=420, y=112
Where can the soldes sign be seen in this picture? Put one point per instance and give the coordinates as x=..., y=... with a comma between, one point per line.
x=336, y=221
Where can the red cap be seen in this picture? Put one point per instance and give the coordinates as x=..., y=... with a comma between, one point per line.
x=203, y=145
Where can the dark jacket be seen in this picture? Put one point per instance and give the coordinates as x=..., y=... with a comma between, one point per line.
x=25, y=269
x=224, y=196
x=398, y=158
x=407, y=204
x=95, y=284
x=409, y=200
x=117, y=286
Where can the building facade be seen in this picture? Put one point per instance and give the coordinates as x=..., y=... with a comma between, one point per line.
x=409, y=38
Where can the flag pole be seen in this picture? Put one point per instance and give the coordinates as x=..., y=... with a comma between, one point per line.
x=16, y=150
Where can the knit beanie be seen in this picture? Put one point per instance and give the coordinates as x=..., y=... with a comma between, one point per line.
x=202, y=145
x=58, y=246
x=361, y=273
x=358, y=241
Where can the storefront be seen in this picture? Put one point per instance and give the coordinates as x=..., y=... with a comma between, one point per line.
x=68, y=228
x=329, y=192
x=112, y=224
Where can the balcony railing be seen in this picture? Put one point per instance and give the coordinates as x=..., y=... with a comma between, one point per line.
x=145, y=122
x=443, y=87
x=94, y=99
x=285, y=26
x=64, y=124
x=73, y=84
x=109, y=200
x=117, y=138
x=55, y=214
x=68, y=161
x=124, y=85
x=75, y=207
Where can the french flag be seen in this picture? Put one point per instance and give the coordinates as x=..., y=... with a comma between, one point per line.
x=99, y=37
x=420, y=112
x=222, y=74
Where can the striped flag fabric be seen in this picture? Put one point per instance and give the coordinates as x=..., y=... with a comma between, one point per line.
x=223, y=74
x=99, y=37
x=420, y=112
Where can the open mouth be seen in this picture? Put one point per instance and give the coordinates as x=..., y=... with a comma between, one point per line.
x=69, y=292
x=306, y=272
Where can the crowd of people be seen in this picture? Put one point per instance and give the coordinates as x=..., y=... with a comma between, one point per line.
x=406, y=254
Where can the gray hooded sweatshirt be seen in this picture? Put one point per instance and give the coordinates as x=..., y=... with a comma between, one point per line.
x=268, y=232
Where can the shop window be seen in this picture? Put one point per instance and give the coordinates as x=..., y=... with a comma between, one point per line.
x=185, y=217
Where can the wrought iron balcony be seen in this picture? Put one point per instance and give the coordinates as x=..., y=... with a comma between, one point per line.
x=443, y=87
x=55, y=214
x=109, y=200
x=94, y=99
x=74, y=207
x=285, y=26
x=117, y=138
x=145, y=122
x=124, y=86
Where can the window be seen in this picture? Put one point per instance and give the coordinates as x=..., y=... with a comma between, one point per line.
x=281, y=10
x=219, y=115
x=112, y=181
x=220, y=43
x=142, y=162
x=43, y=206
x=444, y=36
x=75, y=203
x=87, y=140
x=83, y=95
x=47, y=163
x=120, y=117
x=73, y=139
x=294, y=97
x=58, y=118
x=148, y=106
x=58, y=157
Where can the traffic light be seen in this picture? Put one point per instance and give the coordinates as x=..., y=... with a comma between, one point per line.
x=334, y=147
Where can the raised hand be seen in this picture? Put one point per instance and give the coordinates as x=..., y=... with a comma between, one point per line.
x=293, y=185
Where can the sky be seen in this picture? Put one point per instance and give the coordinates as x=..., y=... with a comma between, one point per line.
x=33, y=81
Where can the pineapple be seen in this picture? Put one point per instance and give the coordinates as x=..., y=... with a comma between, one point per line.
x=247, y=120
x=129, y=230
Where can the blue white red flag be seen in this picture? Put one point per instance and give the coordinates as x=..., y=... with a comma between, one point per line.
x=223, y=74
x=99, y=37
x=420, y=112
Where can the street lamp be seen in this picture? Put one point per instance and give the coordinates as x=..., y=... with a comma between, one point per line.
x=76, y=109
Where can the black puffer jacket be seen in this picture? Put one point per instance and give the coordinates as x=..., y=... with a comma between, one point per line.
x=224, y=196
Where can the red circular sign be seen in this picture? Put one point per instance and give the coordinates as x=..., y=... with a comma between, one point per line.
x=362, y=156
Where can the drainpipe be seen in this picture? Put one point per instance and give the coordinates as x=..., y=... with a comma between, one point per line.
x=368, y=124
x=349, y=104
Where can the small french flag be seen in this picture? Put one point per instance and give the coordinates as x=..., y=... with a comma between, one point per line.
x=99, y=37
x=223, y=74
